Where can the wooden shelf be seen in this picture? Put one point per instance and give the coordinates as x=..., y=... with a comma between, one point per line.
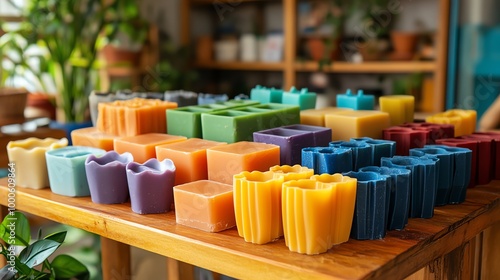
x=396, y=256
x=369, y=67
x=244, y=66
x=234, y=2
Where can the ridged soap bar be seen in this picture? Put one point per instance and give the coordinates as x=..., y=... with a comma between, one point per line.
x=463, y=120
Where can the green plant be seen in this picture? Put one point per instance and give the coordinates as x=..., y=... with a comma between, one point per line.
x=32, y=262
x=127, y=27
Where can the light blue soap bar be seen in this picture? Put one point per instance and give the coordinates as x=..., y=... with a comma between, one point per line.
x=266, y=95
x=358, y=101
x=302, y=98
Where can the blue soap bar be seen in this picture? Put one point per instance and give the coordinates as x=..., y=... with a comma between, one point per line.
x=372, y=205
x=424, y=182
x=302, y=98
x=361, y=152
x=266, y=95
x=357, y=101
x=380, y=148
x=327, y=160
x=400, y=194
x=208, y=98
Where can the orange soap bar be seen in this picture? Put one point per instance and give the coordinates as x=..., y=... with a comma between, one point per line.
x=92, y=137
x=134, y=116
x=317, y=116
x=189, y=157
x=354, y=124
x=463, y=120
x=227, y=160
x=142, y=147
x=295, y=172
x=205, y=205
x=257, y=206
x=345, y=199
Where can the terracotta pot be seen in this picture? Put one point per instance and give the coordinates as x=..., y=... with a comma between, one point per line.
x=205, y=49
x=404, y=42
x=316, y=47
x=40, y=105
x=12, y=104
x=115, y=55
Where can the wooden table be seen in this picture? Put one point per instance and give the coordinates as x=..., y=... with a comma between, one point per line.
x=452, y=244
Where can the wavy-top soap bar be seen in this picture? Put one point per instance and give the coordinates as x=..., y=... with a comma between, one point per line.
x=463, y=120
x=133, y=117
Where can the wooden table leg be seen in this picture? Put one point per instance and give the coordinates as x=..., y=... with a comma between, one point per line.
x=177, y=270
x=491, y=253
x=3, y=213
x=115, y=260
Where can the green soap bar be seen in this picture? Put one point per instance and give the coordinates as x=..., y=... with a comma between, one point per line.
x=278, y=114
x=185, y=121
x=303, y=98
x=230, y=126
x=240, y=103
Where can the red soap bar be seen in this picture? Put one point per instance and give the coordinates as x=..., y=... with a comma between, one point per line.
x=496, y=151
x=469, y=144
x=406, y=138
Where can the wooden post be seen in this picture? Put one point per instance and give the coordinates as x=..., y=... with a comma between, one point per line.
x=115, y=260
x=491, y=253
x=179, y=270
x=441, y=55
x=290, y=34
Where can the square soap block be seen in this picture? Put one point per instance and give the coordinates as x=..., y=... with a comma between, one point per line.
x=133, y=117
x=358, y=101
x=353, y=124
x=322, y=136
x=290, y=141
x=302, y=98
x=266, y=95
x=317, y=116
x=142, y=147
x=227, y=160
x=189, y=157
x=205, y=205
x=92, y=137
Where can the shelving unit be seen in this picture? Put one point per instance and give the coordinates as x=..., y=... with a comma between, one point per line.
x=291, y=66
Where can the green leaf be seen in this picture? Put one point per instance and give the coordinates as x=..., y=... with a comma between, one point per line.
x=66, y=267
x=37, y=252
x=6, y=273
x=57, y=236
x=18, y=223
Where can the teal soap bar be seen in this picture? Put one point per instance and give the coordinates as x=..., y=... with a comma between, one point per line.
x=302, y=98
x=358, y=101
x=266, y=95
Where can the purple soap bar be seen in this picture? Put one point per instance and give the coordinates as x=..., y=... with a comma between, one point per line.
x=107, y=177
x=321, y=135
x=151, y=186
x=291, y=142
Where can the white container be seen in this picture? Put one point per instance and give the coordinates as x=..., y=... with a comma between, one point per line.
x=226, y=50
x=248, y=47
x=273, y=50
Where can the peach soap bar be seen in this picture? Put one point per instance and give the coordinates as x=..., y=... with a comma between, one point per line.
x=205, y=205
x=257, y=206
x=227, y=160
x=189, y=157
x=143, y=147
x=354, y=124
x=399, y=107
x=463, y=120
x=134, y=116
x=289, y=173
x=92, y=137
x=317, y=116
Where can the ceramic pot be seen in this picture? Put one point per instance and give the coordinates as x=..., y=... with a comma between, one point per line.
x=29, y=158
x=107, y=177
x=404, y=42
x=66, y=168
x=151, y=186
x=40, y=105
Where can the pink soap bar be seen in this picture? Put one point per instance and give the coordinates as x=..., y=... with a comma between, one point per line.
x=142, y=147
x=189, y=157
x=205, y=205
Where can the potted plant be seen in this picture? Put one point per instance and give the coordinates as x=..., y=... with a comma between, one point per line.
x=376, y=39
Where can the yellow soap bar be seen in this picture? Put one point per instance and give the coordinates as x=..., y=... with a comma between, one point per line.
x=143, y=147
x=205, y=205
x=189, y=157
x=353, y=124
x=295, y=172
x=225, y=161
x=257, y=206
x=92, y=137
x=345, y=199
x=134, y=116
x=401, y=108
x=463, y=120
x=317, y=116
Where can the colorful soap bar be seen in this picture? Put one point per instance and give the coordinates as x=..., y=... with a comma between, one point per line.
x=380, y=148
x=224, y=161
x=361, y=153
x=358, y=101
x=208, y=98
x=189, y=157
x=463, y=120
x=92, y=137
x=399, y=107
x=205, y=205
x=344, y=189
x=320, y=135
x=151, y=186
x=372, y=205
x=471, y=144
x=257, y=206
x=436, y=131
x=295, y=172
x=302, y=98
x=495, y=136
x=66, y=167
x=327, y=159
x=290, y=142
x=28, y=155
x=142, y=147
x=133, y=117
x=266, y=95
x=317, y=116
x=406, y=138
x=181, y=97
x=353, y=124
